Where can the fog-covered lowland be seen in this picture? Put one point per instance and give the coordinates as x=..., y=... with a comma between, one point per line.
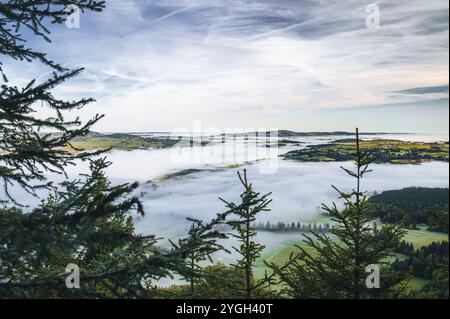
x=298, y=190
x=180, y=182
x=183, y=181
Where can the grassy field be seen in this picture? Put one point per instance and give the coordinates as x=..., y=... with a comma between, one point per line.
x=417, y=283
x=97, y=141
x=283, y=255
x=418, y=238
x=385, y=151
x=422, y=237
x=106, y=143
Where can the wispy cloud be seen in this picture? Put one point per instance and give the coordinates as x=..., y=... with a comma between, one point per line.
x=171, y=63
x=425, y=90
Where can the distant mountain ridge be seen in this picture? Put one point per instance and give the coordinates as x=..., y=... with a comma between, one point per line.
x=281, y=133
x=286, y=133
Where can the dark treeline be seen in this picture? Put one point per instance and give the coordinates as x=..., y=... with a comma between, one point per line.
x=405, y=248
x=425, y=260
x=413, y=206
x=430, y=263
x=293, y=227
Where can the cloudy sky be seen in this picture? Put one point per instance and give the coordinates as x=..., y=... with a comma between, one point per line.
x=289, y=64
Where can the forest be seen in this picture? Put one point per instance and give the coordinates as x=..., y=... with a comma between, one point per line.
x=413, y=206
x=428, y=263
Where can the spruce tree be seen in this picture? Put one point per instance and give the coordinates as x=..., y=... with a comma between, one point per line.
x=242, y=216
x=198, y=247
x=88, y=221
x=335, y=266
x=27, y=150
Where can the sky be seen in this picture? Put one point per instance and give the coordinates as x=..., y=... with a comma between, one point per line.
x=304, y=65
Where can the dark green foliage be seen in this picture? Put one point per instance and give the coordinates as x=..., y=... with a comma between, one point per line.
x=199, y=246
x=17, y=16
x=413, y=206
x=86, y=223
x=25, y=152
x=438, y=287
x=337, y=268
x=405, y=248
x=431, y=263
x=424, y=261
x=220, y=283
x=281, y=227
x=243, y=216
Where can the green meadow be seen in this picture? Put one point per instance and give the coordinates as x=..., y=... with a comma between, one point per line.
x=384, y=151
x=419, y=238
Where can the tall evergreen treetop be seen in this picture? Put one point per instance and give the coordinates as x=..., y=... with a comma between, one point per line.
x=198, y=247
x=27, y=149
x=335, y=265
x=85, y=222
x=243, y=215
